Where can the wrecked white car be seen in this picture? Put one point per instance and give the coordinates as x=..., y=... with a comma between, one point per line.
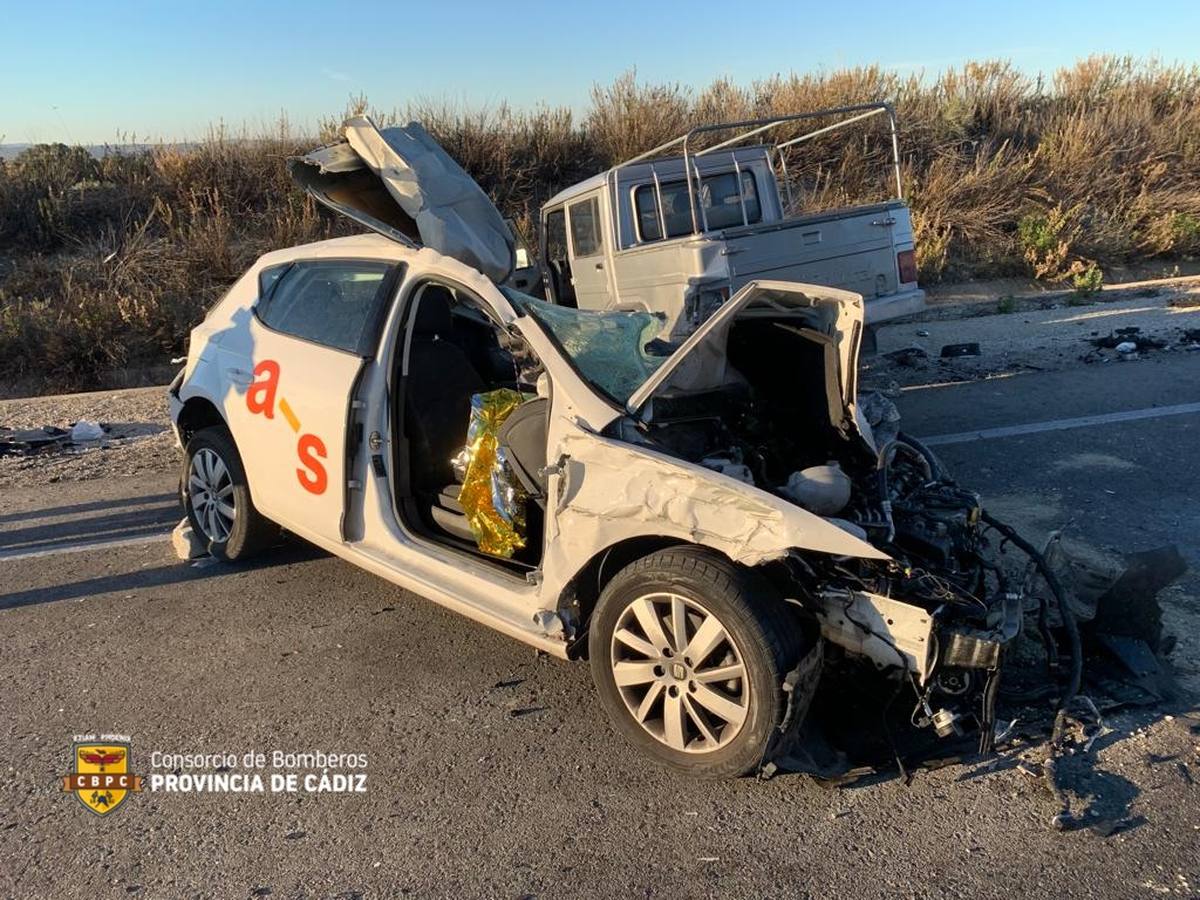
x=701, y=521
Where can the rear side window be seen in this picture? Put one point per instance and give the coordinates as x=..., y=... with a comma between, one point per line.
x=722, y=204
x=268, y=278
x=719, y=204
x=585, y=227
x=334, y=303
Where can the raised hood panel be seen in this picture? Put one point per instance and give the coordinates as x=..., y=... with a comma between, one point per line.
x=401, y=183
x=700, y=362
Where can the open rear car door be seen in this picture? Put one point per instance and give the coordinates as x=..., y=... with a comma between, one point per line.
x=400, y=182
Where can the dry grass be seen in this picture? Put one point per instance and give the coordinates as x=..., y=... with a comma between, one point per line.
x=107, y=263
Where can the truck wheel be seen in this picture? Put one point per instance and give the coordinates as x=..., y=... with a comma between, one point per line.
x=217, y=499
x=689, y=654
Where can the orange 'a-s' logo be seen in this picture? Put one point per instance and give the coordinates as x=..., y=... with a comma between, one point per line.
x=260, y=400
x=101, y=779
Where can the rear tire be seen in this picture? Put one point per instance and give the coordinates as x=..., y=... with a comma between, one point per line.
x=216, y=496
x=701, y=649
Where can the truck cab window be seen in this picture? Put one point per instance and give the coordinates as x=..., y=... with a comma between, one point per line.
x=558, y=260
x=585, y=227
x=718, y=203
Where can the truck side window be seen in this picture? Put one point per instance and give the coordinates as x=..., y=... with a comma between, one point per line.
x=558, y=262
x=585, y=227
x=676, y=210
x=647, y=213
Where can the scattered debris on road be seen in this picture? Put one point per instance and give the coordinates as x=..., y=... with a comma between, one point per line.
x=186, y=542
x=29, y=441
x=954, y=351
x=1128, y=342
x=85, y=431
x=48, y=438
x=907, y=356
x=37, y=447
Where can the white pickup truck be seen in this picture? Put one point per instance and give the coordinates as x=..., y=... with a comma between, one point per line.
x=677, y=230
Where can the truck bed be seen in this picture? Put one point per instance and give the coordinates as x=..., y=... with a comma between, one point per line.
x=815, y=218
x=854, y=249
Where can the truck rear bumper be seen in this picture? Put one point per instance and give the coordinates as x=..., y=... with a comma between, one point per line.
x=893, y=306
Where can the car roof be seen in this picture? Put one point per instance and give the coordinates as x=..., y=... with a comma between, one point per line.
x=423, y=260
x=374, y=246
x=369, y=245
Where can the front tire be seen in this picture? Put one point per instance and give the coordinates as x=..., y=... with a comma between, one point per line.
x=216, y=496
x=689, y=654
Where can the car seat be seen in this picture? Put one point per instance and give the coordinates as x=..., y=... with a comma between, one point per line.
x=439, y=385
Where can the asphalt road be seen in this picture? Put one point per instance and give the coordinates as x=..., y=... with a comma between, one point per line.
x=492, y=771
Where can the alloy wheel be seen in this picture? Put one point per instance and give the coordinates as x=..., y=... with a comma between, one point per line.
x=210, y=491
x=679, y=673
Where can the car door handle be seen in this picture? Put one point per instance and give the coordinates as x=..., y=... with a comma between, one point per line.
x=599, y=265
x=239, y=376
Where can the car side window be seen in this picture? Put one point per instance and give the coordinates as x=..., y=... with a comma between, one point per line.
x=585, y=227
x=268, y=278
x=333, y=303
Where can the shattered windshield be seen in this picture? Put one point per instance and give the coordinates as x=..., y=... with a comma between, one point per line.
x=616, y=350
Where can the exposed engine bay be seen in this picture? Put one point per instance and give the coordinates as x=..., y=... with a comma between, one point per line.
x=939, y=612
x=921, y=586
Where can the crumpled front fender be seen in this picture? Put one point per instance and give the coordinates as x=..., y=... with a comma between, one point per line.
x=608, y=491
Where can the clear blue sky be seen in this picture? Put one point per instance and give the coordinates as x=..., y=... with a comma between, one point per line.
x=87, y=72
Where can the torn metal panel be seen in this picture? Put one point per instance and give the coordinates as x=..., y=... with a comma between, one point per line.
x=400, y=182
x=610, y=491
x=1130, y=606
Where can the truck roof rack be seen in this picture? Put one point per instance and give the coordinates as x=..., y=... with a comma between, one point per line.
x=750, y=128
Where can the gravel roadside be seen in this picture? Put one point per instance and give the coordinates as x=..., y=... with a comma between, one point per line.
x=139, y=441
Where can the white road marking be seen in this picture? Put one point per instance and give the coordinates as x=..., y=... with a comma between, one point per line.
x=80, y=546
x=995, y=376
x=1133, y=415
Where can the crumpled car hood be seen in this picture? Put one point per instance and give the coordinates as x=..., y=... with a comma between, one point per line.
x=831, y=317
x=400, y=182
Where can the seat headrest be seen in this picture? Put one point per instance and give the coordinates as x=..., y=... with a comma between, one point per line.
x=433, y=312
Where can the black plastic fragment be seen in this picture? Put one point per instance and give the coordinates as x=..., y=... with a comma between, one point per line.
x=953, y=351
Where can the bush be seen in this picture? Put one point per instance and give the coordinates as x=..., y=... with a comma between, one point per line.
x=109, y=261
x=1086, y=278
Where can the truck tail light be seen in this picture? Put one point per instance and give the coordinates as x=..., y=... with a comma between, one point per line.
x=906, y=262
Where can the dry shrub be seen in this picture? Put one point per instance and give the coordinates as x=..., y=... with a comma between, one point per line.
x=628, y=118
x=964, y=208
